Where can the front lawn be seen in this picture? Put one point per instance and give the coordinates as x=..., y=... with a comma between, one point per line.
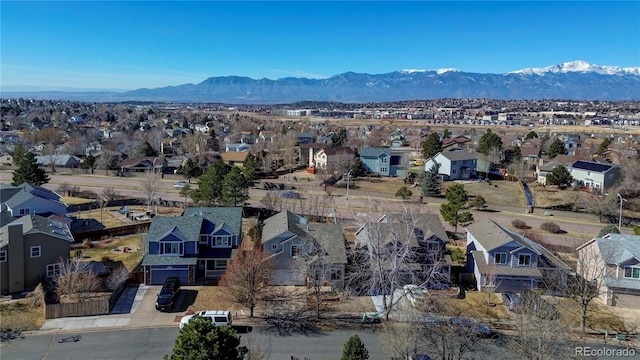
x=19, y=315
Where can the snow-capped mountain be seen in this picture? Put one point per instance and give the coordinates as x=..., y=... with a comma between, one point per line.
x=579, y=66
x=576, y=80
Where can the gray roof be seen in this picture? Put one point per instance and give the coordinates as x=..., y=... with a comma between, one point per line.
x=60, y=160
x=331, y=239
x=36, y=224
x=617, y=249
x=282, y=222
x=393, y=225
x=168, y=260
x=193, y=219
x=458, y=154
x=492, y=235
x=549, y=166
x=15, y=195
x=374, y=152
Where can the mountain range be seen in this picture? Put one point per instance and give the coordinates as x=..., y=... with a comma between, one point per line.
x=576, y=80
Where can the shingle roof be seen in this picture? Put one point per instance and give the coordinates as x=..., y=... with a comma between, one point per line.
x=331, y=239
x=374, y=152
x=591, y=166
x=619, y=248
x=338, y=150
x=549, y=166
x=235, y=156
x=282, y=222
x=194, y=220
x=458, y=154
x=34, y=224
x=168, y=260
x=530, y=151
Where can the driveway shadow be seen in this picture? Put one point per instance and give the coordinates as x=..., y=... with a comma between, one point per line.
x=185, y=299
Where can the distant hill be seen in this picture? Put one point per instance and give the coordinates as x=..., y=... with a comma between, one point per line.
x=575, y=80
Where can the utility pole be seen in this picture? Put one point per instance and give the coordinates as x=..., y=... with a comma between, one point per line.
x=620, y=217
x=348, y=177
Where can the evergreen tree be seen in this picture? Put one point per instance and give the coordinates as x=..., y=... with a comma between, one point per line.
x=604, y=145
x=516, y=155
x=454, y=211
x=209, y=191
x=250, y=169
x=559, y=176
x=354, y=349
x=609, y=229
x=431, y=183
x=339, y=138
x=88, y=163
x=235, y=189
x=189, y=170
x=147, y=150
x=489, y=141
x=531, y=135
x=556, y=148
x=200, y=339
x=431, y=146
x=358, y=169
x=404, y=193
x=28, y=171
x=18, y=154
x=478, y=202
x=446, y=133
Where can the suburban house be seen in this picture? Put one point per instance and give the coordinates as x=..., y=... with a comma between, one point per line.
x=531, y=154
x=304, y=138
x=31, y=249
x=6, y=159
x=422, y=235
x=334, y=158
x=377, y=160
x=142, y=164
x=26, y=199
x=294, y=244
x=194, y=246
x=543, y=169
x=235, y=158
x=237, y=147
x=454, y=164
x=65, y=161
x=457, y=141
x=507, y=260
x=619, y=256
x=595, y=175
x=306, y=152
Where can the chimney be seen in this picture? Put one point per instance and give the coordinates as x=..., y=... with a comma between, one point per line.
x=15, y=258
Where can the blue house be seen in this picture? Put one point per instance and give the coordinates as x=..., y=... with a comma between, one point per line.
x=194, y=246
x=376, y=160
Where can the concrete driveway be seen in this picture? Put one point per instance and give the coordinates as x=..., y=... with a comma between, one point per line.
x=145, y=313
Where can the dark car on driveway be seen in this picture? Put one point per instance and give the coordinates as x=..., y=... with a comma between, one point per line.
x=168, y=294
x=512, y=301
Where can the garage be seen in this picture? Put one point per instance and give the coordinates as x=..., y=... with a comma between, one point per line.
x=625, y=299
x=158, y=268
x=160, y=274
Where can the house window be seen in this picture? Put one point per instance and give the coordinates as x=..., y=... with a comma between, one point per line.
x=24, y=211
x=336, y=275
x=222, y=241
x=500, y=258
x=203, y=239
x=524, y=260
x=433, y=246
x=632, y=272
x=274, y=246
x=3, y=256
x=171, y=248
x=384, y=160
x=36, y=251
x=220, y=263
x=296, y=250
x=53, y=270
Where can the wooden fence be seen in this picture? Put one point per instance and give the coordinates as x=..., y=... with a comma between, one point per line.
x=132, y=229
x=85, y=308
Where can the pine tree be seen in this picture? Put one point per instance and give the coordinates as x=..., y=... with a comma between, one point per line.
x=250, y=169
x=199, y=339
x=489, y=141
x=28, y=171
x=354, y=349
x=235, y=189
x=431, y=146
x=556, y=148
x=559, y=176
x=454, y=211
x=189, y=170
x=209, y=191
x=431, y=183
x=404, y=193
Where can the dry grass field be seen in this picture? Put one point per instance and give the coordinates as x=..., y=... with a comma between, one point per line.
x=114, y=249
x=19, y=315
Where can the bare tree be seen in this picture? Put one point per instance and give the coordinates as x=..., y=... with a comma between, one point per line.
x=76, y=280
x=256, y=350
x=318, y=270
x=490, y=280
x=271, y=201
x=149, y=187
x=247, y=276
x=119, y=275
x=401, y=340
x=110, y=194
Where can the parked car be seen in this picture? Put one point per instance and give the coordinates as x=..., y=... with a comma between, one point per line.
x=168, y=294
x=512, y=301
x=217, y=317
x=415, y=293
x=179, y=184
x=290, y=195
x=466, y=326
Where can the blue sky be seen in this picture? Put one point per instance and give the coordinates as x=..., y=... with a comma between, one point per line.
x=129, y=45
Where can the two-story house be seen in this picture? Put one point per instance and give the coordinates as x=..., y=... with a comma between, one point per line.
x=614, y=261
x=293, y=243
x=376, y=160
x=31, y=249
x=543, y=169
x=235, y=158
x=421, y=239
x=454, y=164
x=27, y=199
x=334, y=158
x=595, y=175
x=194, y=246
x=501, y=257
